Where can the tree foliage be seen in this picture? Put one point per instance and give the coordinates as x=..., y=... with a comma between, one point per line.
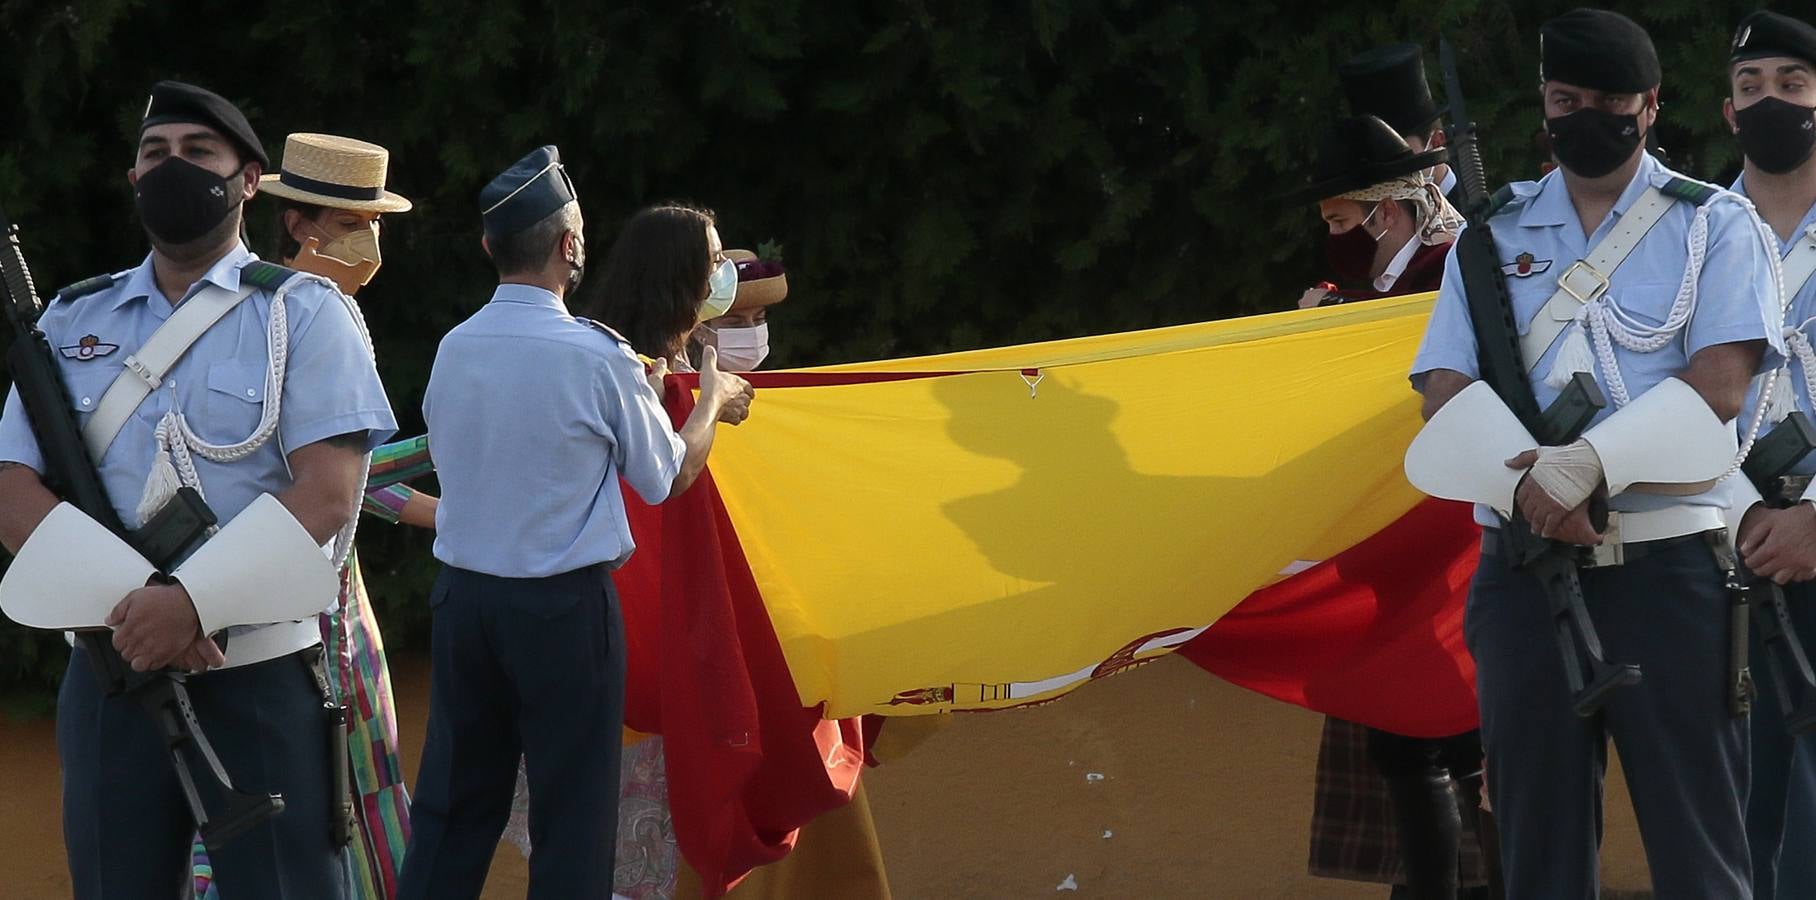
x=943, y=175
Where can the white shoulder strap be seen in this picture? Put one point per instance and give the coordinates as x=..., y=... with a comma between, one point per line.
x=1587, y=278
x=145, y=370
x=1800, y=263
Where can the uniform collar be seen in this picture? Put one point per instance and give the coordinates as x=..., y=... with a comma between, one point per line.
x=1552, y=205
x=142, y=283
x=1450, y=180
x=1809, y=217
x=529, y=295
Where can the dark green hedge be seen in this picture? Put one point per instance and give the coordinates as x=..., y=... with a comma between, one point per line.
x=939, y=175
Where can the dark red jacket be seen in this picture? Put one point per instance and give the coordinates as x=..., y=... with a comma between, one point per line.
x=1424, y=272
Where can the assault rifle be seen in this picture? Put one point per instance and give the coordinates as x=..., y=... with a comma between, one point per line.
x=1591, y=676
x=1772, y=457
x=71, y=475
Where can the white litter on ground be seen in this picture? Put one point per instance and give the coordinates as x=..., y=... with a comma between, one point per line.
x=1070, y=884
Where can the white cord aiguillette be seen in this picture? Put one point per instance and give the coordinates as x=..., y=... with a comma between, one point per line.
x=1607, y=325
x=173, y=467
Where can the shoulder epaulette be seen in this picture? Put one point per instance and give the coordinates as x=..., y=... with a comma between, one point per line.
x=1694, y=193
x=267, y=275
x=1500, y=201
x=604, y=328
x=88, y=286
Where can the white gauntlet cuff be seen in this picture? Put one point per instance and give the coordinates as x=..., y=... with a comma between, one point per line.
x=1744, y=497
x=1666, y=441
x=262, y=567
x=1462, y=453
x=71, y=573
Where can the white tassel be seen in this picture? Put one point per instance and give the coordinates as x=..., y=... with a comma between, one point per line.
x=1575, y=356
x=1783, y=400
x=160, y=486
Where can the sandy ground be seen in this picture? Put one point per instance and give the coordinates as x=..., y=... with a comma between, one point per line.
x=1206, y=793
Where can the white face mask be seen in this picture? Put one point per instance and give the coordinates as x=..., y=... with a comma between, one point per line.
x=742, y=349
x=721, y=290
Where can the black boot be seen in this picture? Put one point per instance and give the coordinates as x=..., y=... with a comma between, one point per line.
x=1430, y=831
x=1481, y=821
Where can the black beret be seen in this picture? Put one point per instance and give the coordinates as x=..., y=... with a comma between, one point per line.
x=1598, y=50
x=526, y=193
x=1767, y=33
x=1389, y=82
x=174, y=101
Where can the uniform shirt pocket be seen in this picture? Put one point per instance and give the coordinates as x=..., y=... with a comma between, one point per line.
x=1645, y=302
x=1529, y=297
x=86, y=386
x=1646, y=306
x=232, y=404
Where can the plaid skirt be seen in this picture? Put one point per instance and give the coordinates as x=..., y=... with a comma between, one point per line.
x=1353, y=832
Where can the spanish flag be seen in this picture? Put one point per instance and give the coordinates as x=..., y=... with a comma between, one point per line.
x=991, y=529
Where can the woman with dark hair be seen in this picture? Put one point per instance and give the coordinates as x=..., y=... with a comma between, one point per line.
x=665, y=260
x=667, y=273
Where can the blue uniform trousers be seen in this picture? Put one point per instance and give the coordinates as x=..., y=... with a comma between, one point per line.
x=1684, y=755
x=1797, y=869
x=520, y=665
x=1784, y=774
x=125, y=824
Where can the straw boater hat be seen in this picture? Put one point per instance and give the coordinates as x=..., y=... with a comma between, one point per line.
x=760, y=282
x=336, y=172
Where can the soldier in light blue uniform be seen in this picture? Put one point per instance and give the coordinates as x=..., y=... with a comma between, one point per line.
x=533, y=417
x=298, y=427
x=1674, y=347
x=1772, y=109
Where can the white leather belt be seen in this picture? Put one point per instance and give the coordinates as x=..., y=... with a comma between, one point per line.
x=1628, y=533
x=262, y=644
x=271, y=642
x=1658, y=524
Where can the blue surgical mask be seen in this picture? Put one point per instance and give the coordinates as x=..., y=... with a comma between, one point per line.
x=721, y=290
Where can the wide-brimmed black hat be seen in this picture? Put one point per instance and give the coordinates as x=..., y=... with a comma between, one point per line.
x=1389, y=82
x=1360, y=152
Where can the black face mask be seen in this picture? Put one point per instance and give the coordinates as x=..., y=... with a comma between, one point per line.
x=1351, y=253
x=1776, y=135
x=180, y=201
x=1591, y=142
